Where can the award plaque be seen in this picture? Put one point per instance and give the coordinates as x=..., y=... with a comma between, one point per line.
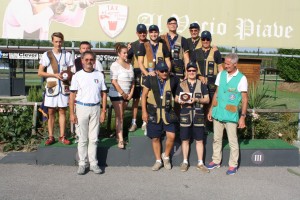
x=185, y=97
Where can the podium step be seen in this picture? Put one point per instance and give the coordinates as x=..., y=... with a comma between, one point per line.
x=138, y=152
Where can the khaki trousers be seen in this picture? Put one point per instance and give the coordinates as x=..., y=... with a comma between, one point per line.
x=231, y=129
x=87, y=131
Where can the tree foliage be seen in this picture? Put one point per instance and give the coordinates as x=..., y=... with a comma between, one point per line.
x=289, y=67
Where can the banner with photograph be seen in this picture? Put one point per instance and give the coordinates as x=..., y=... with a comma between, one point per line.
x=256, y=23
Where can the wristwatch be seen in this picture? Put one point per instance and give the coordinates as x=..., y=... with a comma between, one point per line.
x=243, y=115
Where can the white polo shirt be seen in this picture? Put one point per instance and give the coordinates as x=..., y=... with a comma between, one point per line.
x=88, y=86
x=242, y=86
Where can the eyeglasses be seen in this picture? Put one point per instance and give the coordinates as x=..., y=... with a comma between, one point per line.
x=172, y=23
x=191, y=70
x=88, y=59
x=194, y=30
x=164, y=71
x=205, y=39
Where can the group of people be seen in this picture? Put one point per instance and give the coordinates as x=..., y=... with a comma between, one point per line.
x=180, y=82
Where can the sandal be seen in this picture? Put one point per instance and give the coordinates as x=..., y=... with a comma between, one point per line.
x=121, y=145
x=50, y=140
x=64, y=140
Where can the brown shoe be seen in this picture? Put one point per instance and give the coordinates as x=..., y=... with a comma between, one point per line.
x=166, y=161
x=132, y=128
x=203, y=168
x=184, y=167
x=64, y=140
x=50, y=140
x=156, y=166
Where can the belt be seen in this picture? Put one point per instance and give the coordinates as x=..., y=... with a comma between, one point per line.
x=87, y=104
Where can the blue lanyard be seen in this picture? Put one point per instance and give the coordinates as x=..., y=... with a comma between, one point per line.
x=161, y=87
x=154, y=50
x=172, y=42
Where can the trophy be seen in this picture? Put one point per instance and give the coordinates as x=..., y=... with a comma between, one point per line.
x=185, y=97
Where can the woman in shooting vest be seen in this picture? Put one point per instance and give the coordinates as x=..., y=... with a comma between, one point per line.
x=192, y=94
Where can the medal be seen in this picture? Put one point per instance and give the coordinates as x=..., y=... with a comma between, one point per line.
x=65, y=76
x=161, y=97
x=172, y=50
x=154, y=60
x=50, y=91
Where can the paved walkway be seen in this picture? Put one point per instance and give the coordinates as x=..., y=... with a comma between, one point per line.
x=23, y=181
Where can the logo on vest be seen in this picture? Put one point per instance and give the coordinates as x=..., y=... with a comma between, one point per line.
x=96, y=80
x=232, y=97
x=112, y=18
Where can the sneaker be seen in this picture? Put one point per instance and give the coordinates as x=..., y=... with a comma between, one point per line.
x=50, y=140
x=144, y=126
x=95, y=169
x=156, y=166
x=81, y=170
x=203, y=168
x=213, y=165
x=231, y=171
x=64, y=140
x=132, y=128
x=184, y=167
x=166, y=161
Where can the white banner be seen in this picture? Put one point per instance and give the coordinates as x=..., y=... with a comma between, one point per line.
x=255, y=23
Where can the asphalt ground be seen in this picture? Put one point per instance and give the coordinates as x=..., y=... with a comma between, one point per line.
x=23, y=181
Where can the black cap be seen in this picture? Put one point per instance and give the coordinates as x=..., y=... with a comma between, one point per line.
x=161, y=66
x=153, y=28
x=191, y=65
x=141, y=28
x=171, y=19
x=206, y=35
x=194, y=25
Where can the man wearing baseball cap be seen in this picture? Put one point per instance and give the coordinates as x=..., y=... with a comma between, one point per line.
x=208, y=58
x=191, y=94
x=141, y=32
x=177, y=45
x=211, y=63
x=157, y=109
x=151, y=52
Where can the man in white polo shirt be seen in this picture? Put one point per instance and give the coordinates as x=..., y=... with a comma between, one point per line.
x=87, y=90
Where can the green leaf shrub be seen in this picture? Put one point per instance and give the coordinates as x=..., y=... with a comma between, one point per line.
x=289, y=67
x=16, y=126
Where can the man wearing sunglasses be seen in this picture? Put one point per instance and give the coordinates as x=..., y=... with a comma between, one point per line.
x=141, y=32
x=87, y=91
x=210, y=62
x=157, y=111
x=192, y=115
x=177, y=45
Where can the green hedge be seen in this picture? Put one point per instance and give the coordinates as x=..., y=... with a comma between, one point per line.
x=289, y=67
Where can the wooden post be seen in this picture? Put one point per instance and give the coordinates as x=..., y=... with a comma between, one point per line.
x=109, y=114
x=34, y=119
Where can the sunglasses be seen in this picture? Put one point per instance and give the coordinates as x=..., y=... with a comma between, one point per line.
x=142, y=32
x=191, y=70
x=164, y=71
x=205, y=39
